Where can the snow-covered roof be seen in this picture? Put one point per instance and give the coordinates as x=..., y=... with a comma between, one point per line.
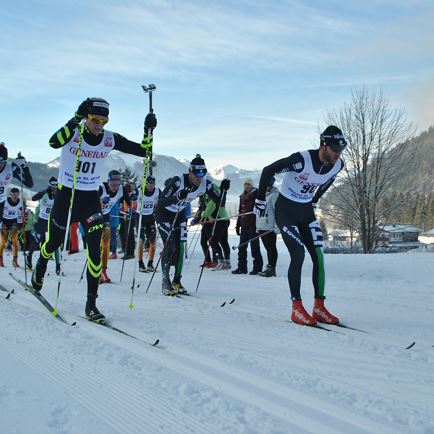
x=340, y=233
x=400, y=228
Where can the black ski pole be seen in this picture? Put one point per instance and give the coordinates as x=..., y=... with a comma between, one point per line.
x=24, y=219
x=212, y=234
x=82, y=273
x=130, y=213
x=252, y=239
x=163, y=250
x=146, y=163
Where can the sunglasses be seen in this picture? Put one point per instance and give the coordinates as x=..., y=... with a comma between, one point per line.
x=98, y=120
x=199, y=174
x=336, y=147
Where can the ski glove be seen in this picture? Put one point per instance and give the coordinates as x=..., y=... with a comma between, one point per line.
x=21, y=161
x=182, y=194
x=225, y=184
x=260, y=207
x=150, y=121
x=84, y=109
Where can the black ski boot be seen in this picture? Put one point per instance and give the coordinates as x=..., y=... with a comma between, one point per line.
x=151, y=267
x=91, y=311
x=38, y=275
x=167, y=289
x=142, y=267
x=177, y=286
x=270, y=271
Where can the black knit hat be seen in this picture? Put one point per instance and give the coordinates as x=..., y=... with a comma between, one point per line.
x=197, y=166
x=150, y=179
x=3, y=152
x=14, y=190
x=333, y=136
x=99, y=107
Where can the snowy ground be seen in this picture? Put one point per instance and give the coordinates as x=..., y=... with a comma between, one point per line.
x=235, y=369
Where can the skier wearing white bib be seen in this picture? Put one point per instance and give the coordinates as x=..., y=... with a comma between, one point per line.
x=12, y=169
x=46, y=200
x=170, y=214
x=308, y=175
x=111, y=192
x=12, y=220
x=148, y=228
x=96, y=144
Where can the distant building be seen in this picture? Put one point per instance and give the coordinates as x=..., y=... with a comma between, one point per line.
x=401, y=237
x=427, y=237
x=342, y=235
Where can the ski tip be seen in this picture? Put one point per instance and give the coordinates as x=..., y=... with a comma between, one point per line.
x=8, y=296
x=131, y=306
x=232, y=301
x=410, y=346
x=54, y=312
x=74, y=323
x=156, y=343
x=223, y=304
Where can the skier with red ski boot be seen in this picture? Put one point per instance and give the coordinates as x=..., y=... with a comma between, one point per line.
x=308, y=175
x=84, y=178
x=110, y=193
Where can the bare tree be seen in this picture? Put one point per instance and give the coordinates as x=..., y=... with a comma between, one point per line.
x=373, y=130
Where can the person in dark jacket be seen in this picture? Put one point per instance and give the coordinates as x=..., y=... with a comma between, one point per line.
x=246, y=230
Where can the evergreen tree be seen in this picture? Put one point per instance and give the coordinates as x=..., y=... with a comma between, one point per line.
x=129, y=177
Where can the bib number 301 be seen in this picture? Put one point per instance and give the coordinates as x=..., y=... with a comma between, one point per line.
x=86, y=166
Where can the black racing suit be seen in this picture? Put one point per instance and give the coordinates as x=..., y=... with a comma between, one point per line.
x=86, y=207
x=297, y=221
x=172, y=226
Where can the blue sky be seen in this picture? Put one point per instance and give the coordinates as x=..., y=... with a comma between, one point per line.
x=240, y=82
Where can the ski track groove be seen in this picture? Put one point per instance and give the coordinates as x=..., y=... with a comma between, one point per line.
x=348, y=368
x=123, y=418
x=274, y=398
x=269, y=315
x=223, y=377
x=224, y=381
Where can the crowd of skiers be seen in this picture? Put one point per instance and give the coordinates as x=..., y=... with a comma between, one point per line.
x=80, y=196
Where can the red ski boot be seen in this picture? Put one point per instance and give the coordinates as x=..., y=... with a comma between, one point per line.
x=299, y=314
x=15, y=263
x=321, y=314
x=104, y=278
